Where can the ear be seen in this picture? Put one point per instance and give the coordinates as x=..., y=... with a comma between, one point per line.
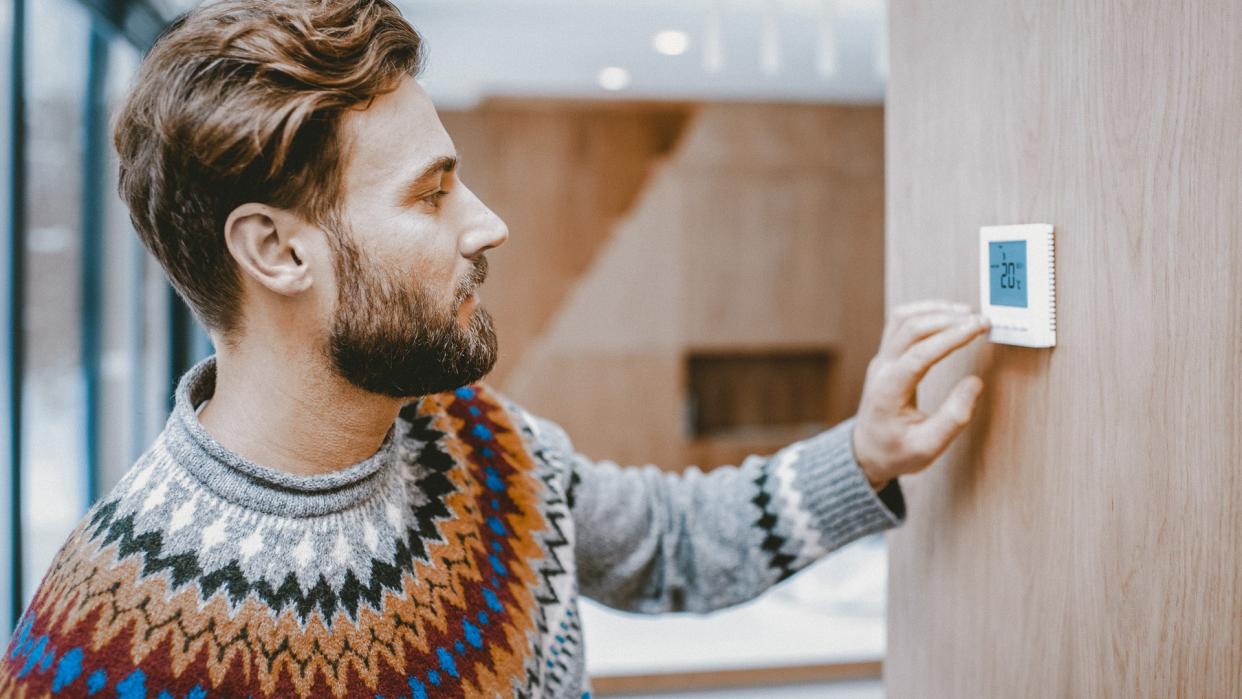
x=269, y=247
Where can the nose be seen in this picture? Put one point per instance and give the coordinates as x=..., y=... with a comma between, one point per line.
x=485, y=231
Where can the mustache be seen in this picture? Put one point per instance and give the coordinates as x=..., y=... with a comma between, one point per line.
x=474, y=278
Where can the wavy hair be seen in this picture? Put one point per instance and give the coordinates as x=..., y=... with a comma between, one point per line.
x=240, y=101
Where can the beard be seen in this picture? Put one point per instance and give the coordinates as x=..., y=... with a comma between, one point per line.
x=389, y=339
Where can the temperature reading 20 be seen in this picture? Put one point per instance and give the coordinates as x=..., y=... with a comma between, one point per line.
x=1007, y=267
x=1009, y=276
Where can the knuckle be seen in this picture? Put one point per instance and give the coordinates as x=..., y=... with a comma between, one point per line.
x=901, y=333
x=889, y=373
x=891, y=327
x=912, y=361
x=959, y=418
x=922, y=324
x=919, y=450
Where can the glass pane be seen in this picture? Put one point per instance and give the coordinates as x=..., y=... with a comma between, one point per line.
x=53, y=475
x=123, y=433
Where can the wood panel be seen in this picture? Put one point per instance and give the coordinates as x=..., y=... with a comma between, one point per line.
x=1083, y=538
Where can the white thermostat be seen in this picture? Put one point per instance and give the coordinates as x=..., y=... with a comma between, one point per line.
x=1017, y=284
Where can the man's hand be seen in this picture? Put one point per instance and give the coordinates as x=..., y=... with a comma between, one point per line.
x=891, y=436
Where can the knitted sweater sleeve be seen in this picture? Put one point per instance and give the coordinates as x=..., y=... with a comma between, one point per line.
x=652, y=541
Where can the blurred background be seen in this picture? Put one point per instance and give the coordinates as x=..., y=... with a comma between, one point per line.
x=695, y=194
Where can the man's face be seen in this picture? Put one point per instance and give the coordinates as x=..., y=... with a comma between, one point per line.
x=409, y=255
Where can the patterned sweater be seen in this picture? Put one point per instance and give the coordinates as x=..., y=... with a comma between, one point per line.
x=448, y=564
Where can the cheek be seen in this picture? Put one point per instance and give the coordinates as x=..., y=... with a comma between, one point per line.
x=414, y=248
x=415, y=270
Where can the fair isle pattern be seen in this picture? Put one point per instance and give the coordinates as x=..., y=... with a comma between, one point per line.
x=565, y=659
x=453, y=578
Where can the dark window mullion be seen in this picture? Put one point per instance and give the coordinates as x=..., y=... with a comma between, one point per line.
x=94, y=155
x=180, y=341
x=12, y=333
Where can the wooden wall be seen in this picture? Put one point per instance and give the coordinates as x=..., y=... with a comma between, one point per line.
x=1084, y=538
x=640, y=233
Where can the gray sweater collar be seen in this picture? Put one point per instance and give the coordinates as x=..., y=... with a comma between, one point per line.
x=256, y=487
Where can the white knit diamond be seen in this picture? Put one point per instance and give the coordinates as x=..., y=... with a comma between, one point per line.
x=156, y=497
x=303, y=552
x=370, y=536
x=213, y=534
x=182, y=516
x=341, y=551
x=251, y=544
x=140, y=480
x=393, y=513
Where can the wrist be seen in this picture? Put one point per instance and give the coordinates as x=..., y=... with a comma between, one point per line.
x=877, y=482
x=874, y=476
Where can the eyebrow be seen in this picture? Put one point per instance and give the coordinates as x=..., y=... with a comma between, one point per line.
x=415, y=187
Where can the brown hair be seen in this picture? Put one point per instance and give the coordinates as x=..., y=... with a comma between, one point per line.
x=240, y=101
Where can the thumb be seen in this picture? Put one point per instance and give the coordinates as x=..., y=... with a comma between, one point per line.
x=939, y=429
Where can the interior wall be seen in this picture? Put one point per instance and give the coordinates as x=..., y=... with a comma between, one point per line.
x=759, y=227
x=1083, y=538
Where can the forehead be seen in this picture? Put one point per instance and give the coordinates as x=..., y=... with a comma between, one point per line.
x=393, y=138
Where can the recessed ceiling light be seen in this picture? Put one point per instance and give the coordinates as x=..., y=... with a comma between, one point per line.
x=613, y=78
x=826, y=50
x=713, y=39
x=671, y=42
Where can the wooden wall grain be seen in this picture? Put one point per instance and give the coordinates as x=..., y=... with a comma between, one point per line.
x=756, y=227
x=1084, y=538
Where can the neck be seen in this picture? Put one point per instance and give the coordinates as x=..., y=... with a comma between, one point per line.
x=289, y=411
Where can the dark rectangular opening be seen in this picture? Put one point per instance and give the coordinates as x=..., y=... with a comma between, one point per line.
x=740, y=393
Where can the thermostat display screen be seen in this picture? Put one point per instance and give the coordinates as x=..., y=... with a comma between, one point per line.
x=1007, y=267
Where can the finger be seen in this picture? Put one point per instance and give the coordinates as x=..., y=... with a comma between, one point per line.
x=916, y=328
x=932, y=436
x=919, y=359
x=900, y=314
x=908, y=309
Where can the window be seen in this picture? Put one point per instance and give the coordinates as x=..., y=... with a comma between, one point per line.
x=91, y=335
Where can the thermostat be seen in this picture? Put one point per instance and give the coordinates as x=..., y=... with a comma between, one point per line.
x=1017, y=284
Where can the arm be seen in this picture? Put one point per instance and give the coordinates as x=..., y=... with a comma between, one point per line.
x=652, y=541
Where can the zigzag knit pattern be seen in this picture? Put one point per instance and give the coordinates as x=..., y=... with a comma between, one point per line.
x=440, y=567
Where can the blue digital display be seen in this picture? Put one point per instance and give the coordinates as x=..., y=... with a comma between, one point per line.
x=1007, y=270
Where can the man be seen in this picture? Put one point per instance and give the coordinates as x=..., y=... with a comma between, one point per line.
x=336, y=507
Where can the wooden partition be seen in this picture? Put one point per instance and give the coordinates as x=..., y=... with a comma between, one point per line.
x=1084, y=538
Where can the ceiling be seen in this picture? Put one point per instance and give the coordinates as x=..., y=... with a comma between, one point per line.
x=764, y=50
x=826, y=51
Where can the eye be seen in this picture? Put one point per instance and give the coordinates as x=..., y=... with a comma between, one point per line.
x=435, y=197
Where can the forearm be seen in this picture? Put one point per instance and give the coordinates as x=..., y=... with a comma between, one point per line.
x=652, y=541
